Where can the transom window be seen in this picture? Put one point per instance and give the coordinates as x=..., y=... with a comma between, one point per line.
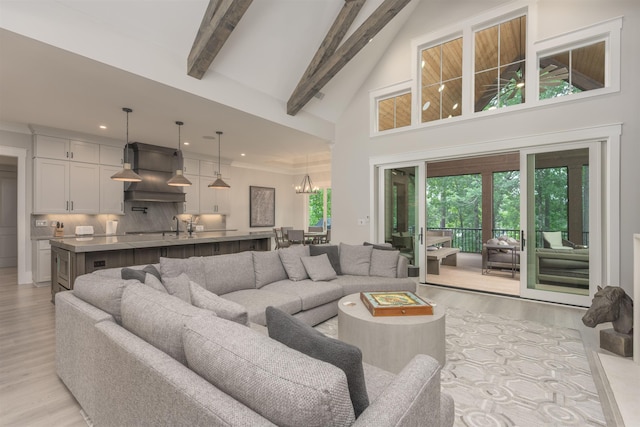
x=500, y=56
x=394, y=112
x=441, y=78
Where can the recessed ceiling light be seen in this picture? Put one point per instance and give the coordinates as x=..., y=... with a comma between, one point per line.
x=441, y=88
x=455, y=105
x=186, y=143
x=242, y=154
x=102, y=127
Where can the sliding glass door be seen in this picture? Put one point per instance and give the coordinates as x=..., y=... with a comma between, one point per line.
x=401, y=211
x=561, y=233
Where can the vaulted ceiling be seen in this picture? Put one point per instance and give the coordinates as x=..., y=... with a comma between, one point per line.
x=74, y=64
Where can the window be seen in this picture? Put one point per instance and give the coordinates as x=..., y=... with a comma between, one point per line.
x=572, y=71
x=394, y=112
x=500, y=56
x=441, y=81
x=320, y=208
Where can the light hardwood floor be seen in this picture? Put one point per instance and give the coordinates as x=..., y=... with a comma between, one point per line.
x=31, y=394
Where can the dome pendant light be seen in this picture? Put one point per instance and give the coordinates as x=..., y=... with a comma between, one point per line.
x=127, y=174
x=219, y=183
x=178, y=179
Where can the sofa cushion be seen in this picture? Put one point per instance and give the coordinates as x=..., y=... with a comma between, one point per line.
x=257, y=300
x=178, y=286
x=102, y=292
x=355, y=259
x=268, y=268
x=228, y=273
x=384, y=263
x=202, y=298
x=382, y=247
x=281, y=384
x=290, y=258
x=311, y=294
x=302, y=337
x=158, y=318
x=357, y=284
x=173, y=267
x=319, y=268
x=332, y=252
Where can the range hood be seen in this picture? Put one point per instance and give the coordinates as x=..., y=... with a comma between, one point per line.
x=156, y=166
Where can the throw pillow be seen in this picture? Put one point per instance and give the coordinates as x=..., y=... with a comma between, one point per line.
x=102, y=292
x=298, y=335
x=158, y=318
x=268, y=268
x=151, y=281
x=385, y=247
x=331, y=251
x=173, y=267
x=283, y=385
x=290, y=258
x=319, y=268
x=178, y=286
x=384, y=263
x=202, y=298
x=355, y=259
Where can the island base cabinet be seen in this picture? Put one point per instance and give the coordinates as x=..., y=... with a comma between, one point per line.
x=152, y=255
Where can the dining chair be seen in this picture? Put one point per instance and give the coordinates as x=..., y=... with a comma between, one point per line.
x=281, y=242
x=327, y=237
x=315, y=229
x=295, y=237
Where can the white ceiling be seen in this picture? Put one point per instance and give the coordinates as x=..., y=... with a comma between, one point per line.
x=73, y=65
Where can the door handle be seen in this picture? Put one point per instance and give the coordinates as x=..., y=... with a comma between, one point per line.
x=421, y=234
x=522, y=240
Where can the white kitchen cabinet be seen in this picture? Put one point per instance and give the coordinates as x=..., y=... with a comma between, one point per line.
x=43, y=261
x=214, y=201
x=111, y=192
x=64, y=149
x=111, y=155
x=192, y=195
x=61, y=186
x=191, y=167
x=210, y=169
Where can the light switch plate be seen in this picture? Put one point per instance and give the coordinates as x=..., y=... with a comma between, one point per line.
x=41, y=222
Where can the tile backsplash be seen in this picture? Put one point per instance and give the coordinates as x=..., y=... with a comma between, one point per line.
x=158, y=217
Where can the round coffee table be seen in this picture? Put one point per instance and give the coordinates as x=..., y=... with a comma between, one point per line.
x=390, y=342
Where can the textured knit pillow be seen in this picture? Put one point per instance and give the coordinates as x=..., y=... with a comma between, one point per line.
x=202, y=298
x=290, y=258
x=384, y=263
x=268, y=268
x=178, y=286
x=331, y=251
x=139, y=274
x=102, y=292
x=355, y=259
x=193, y=267
x=319, y=268
x=298, y=335
x=155, y=283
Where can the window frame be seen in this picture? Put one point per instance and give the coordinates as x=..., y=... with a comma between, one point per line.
x=377, y=95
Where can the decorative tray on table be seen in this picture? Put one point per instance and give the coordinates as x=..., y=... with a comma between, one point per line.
x=395, y=304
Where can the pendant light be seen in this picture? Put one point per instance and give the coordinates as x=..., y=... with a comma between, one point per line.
x=178, y=179
x=219, y=183
x=306, y=186
x=126, y=174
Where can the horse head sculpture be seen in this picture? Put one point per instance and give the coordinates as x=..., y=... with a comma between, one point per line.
x=611, y=304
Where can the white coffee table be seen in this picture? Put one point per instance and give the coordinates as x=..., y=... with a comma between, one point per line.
x=390, y=342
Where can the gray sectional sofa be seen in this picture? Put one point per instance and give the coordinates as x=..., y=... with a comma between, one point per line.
x=177, y=350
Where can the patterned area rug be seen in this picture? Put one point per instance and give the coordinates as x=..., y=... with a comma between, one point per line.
x=506, y=372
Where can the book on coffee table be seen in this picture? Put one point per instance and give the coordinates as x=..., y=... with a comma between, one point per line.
x=395, y=304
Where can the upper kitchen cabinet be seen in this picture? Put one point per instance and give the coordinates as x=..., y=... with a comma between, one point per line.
x=191, y=166
x=111, y=155
x=64, y=149
x=111, y=192
x=214, y=201
x=192, y=195
x=61, y=186
x=210, y=169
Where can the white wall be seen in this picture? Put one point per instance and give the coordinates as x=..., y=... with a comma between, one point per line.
x=353, y=146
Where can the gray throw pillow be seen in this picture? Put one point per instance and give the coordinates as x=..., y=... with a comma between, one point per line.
x=331, y=251
x=151, y=281
x=268, y=268
x=139, y=274
x=355, y=259
x=290, y=258
x=102, y=292
x=298, y=335
x=319, y=268
x=178, y=286
x=193, y=267
x=384, y=263
x=202, y=298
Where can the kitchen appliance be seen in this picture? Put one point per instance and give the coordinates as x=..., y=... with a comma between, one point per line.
x=155, y=165
x=111, y=228
x=84, y=230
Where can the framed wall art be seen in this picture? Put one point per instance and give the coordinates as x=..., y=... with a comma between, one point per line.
x=262, y=206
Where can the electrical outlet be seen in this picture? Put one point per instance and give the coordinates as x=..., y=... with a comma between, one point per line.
x=41, y=222
x=53, y=223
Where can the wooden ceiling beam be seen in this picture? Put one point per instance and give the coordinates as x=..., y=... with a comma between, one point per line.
x=220, y=19
x=331, y=64
x=333, y=38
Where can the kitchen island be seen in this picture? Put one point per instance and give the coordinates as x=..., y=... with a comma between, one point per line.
x=74, y=256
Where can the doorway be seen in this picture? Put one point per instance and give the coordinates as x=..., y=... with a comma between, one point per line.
x=8, y=211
